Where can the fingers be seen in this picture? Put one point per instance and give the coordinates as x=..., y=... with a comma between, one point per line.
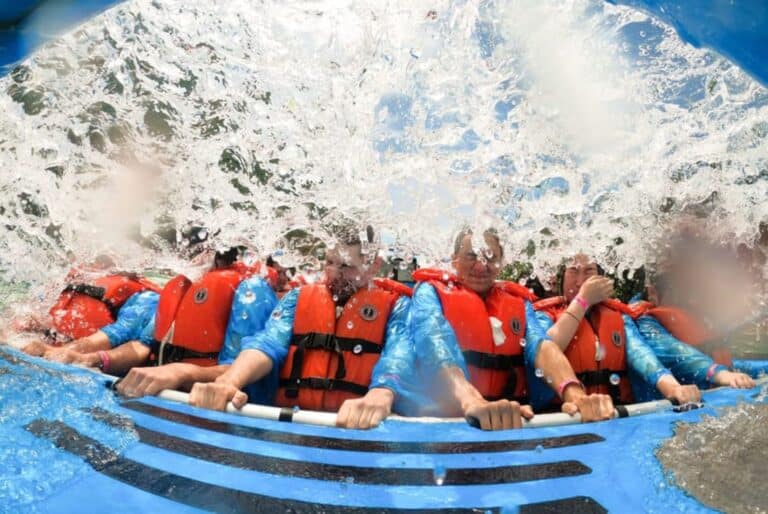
x=594, y=407
x=526, y=411
x=606, y=406
x=377, y=417
x=507, y=416
x=343, y=415
x=239, y=400
x=569, y=408
x=743, y=381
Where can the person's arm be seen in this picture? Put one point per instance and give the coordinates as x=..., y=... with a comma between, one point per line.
x=249, y=366
x=117, y=360
x=132, y=317
x=253, y=302
x=261, y=355
x=687, y=363
x=68, y=353
x=642, y=360
x=593, y=291
x=388, y=379
x=141, y=381
x=556, y=372
x=440, y=356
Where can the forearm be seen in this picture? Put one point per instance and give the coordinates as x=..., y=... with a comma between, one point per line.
x=93, y=343
x=250, y=366
x=189, y=374
x=459, y=393
x=562, y=332
x=554, y=364
x=667, y=385
x=118, y=360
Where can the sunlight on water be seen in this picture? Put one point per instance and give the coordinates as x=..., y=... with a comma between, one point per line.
x=571, y=125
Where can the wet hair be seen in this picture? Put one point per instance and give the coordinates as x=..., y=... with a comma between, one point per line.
x=489, y=233
x=224, y=258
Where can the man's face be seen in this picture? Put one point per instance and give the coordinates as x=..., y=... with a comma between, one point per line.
x=577, y=272
x=346, y=271
x=477, y=268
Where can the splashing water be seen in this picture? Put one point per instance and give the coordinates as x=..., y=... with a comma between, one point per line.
x=577, y=125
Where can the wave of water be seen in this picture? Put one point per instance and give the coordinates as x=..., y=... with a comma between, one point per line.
x=573, y=125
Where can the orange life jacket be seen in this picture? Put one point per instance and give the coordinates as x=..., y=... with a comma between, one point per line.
x=331, y=360
x=688, y=329
x=598, y=350
x=496, y=370
x=82, y=309
x=192, y=317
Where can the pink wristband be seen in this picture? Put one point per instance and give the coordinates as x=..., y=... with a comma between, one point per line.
x=711, y=372
x=566, y=383
x=104, y=358
x=581, y=301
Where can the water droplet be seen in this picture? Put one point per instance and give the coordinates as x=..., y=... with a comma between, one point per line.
x=277, y=314
x=523, y=342
x=350, y=325
x=244, y=315
x=248, y=297
x=296, y=408
x=539, y=448
x=439, y=473
x=335, y=298
x=539, y=372
x=615, y=379
x=350, y=480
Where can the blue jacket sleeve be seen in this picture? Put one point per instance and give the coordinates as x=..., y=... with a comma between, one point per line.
x=253, y=302
x=274, y=340
x=397, y=368
x=537, y=323
x=434, y=339
x=132, y=317
x=645, y=368
x=688, y=364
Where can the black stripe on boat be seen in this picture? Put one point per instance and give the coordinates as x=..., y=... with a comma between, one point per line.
x=222, y=499
x=358, y=445
x=361, y=474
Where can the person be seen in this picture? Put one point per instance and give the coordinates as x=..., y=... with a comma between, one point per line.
x=676, y=337
x=198, y=324
x=600, y=341
x=93, y=315
x=335, y=345
x=469, y=333
x=185, y=323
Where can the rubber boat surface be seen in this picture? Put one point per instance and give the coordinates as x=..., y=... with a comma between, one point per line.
x=183, y=459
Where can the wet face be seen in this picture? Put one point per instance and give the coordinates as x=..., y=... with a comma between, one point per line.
x=346, y=271
x=577, y=271
x=477, y=268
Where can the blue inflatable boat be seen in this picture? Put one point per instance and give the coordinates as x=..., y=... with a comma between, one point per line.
x=176, y=458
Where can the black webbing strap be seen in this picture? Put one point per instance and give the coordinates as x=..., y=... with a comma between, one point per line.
x=327, y=342
x=495, y=361
x=95, y=292
x=175, y=353
x=603, y=377
x=325, y=384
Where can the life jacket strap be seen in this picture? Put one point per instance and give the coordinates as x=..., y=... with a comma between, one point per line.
x=492, y=360
x=327, y=342
x=603, y=377
x=173, y=353
x=95, y=292
x=325, y=384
